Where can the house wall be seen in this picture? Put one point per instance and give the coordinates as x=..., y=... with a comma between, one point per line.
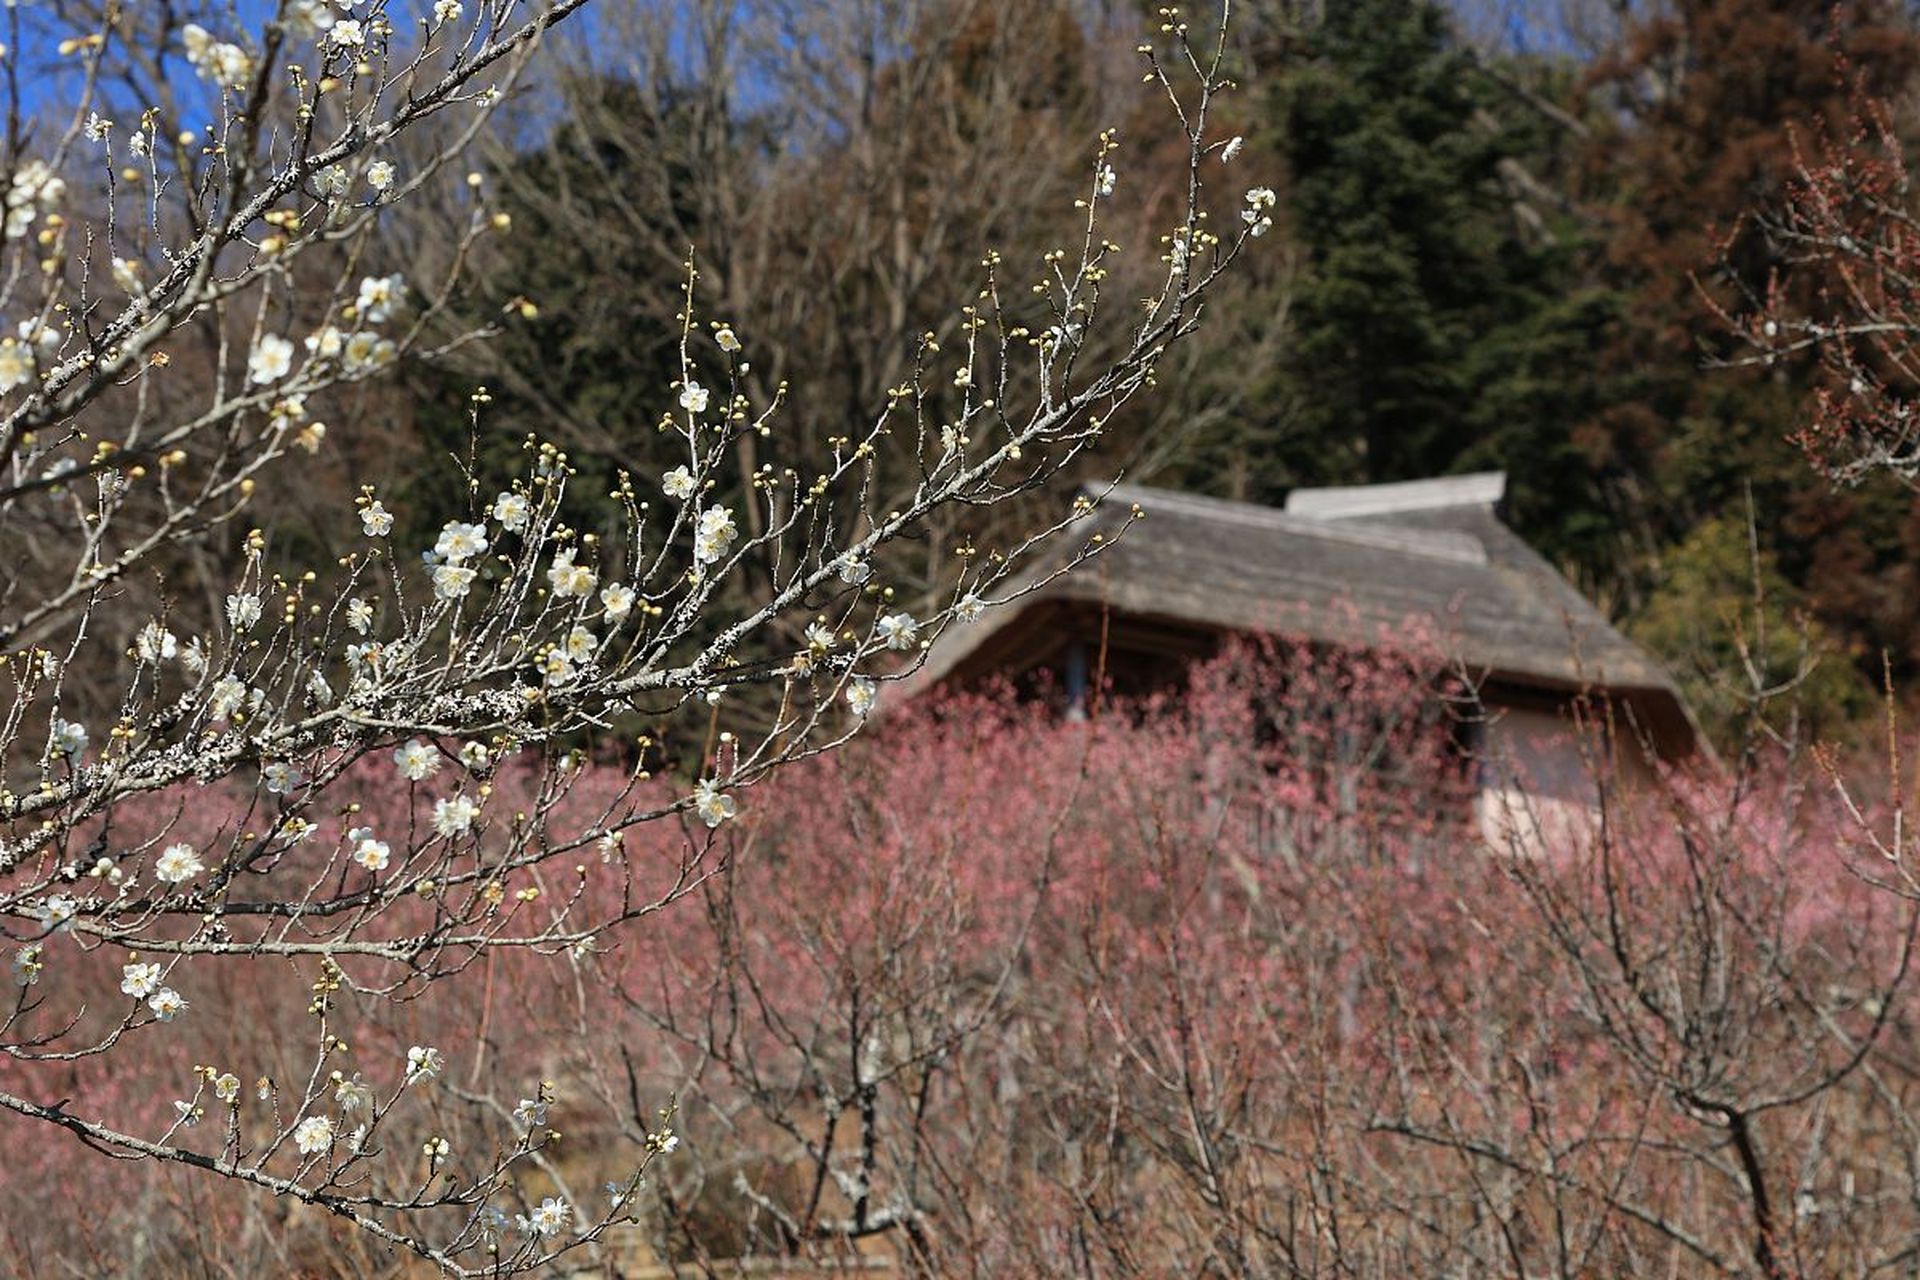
x=1539, y=776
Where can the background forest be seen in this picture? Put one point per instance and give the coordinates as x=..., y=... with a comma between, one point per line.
x=1509, y=235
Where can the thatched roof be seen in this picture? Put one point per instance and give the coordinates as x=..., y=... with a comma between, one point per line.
x=1337, y=566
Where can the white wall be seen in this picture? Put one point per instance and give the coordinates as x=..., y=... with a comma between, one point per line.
x=1537, y=779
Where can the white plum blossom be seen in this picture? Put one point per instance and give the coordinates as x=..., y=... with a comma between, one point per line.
x=380, y=175
x=226, y=1087
x=678, y=484
x=35, y=189
x=713, y=805
x=530, y=1114
x=231, y=65
x=16, y=364
x=370, y=853
x=570, y=579
x=57, y=911
x=376, y=520
x=416, y=760
x=969, y=608
x=227, y=65
x=318, y=689
x=155, y=643
x=167, y=1004
x=280, y=778
x=379, y=295
x=327, y=343
x=617, y=598
x=580, y=644
x=726, y=338
x=271, y=360
x=861, y=695
x=351, y=1094
x=424, y=1063
x=294, y=830
x=359, y=615
x=69, y=738
x=513, y=511
x=1061, y=335
x=548, y=1218
x=185, y=1114
x=854, y=570
x=308, y=19
x=1232, y=149
x=27, y=964
x=555, y=668
x=454, y=816
x=313, y=1135
x=898, y=630
x=140, y=979
x=46, y=337
x=227, y=696
x=365, y=350
x=452, y=581
x=243, y=610
x=289, y=411
x=714, y=535
x=347, y=33
x=474, y=755
x=693, y=397
x=445, y=11
x=178, y=863
x=458, y=541
x=1103, y=181
x=1259, y=200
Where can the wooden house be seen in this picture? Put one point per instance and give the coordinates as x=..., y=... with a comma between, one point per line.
x=1344, y=567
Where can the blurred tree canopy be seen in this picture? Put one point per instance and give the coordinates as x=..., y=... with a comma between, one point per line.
x=1501, y=243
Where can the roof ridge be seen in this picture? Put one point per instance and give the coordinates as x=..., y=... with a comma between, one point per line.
x=1448, y=545
x=1474, y=489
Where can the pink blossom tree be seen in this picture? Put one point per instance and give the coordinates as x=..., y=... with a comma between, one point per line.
x=1230, y=982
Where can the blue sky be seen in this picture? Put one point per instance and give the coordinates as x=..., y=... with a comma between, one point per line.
x=41, y=76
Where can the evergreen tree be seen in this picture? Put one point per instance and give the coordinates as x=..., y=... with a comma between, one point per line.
x=1391, y=188
x=597, y=240
x=1439, y=324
